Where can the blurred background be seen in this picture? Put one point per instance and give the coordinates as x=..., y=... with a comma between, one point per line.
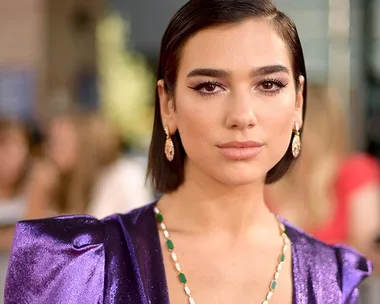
x=77, y=81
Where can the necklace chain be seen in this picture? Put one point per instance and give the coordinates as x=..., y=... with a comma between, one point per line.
x=182, y=277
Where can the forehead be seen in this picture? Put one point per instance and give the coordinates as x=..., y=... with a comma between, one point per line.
x=240, y=46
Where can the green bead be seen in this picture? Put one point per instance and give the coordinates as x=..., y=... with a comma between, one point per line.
x=182, y=278
x=170, y=244
x=273, y=285
x=282, y=258
x=160, y=218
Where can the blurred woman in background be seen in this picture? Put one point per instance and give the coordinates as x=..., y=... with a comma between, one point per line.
x=81, y=172
x=331, y=192
x=14, y=152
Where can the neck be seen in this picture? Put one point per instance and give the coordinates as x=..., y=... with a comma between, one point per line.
x=203, y=205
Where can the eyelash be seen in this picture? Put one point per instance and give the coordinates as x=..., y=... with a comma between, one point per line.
x=279, y=83
x=201, y=85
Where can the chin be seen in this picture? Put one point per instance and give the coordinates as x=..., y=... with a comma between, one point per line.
x=240, y=177
x=230, y=174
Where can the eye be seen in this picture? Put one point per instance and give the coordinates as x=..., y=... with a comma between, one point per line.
x=272, y=86
x=268, y=85
x=208, y=88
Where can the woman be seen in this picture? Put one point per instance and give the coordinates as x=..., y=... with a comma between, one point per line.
x=78, y=147
x=83, y=169
x=14, y=156
x=230, y=93
x=332, y=193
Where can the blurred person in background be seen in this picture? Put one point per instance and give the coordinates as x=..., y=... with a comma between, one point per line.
x=14, y=155
x=84, y=172
x=331, y=192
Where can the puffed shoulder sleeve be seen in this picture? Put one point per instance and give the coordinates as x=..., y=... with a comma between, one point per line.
x=58, y=260
x=354, y=269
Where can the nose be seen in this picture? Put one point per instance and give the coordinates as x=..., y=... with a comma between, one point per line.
x=240, y=113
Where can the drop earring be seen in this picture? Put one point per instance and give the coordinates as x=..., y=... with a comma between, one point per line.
x=296, y=143
x=169, y=146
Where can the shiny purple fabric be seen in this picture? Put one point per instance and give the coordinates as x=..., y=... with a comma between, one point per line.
x=79, y=259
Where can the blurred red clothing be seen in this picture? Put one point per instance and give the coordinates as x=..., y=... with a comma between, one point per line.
x=357, y=171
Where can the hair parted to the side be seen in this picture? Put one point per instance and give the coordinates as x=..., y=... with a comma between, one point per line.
x=194, y=16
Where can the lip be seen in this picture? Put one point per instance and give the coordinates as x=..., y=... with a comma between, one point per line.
x=238, y=150
x=241, y=144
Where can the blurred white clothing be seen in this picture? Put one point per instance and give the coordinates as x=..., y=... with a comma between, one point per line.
x=120, y=188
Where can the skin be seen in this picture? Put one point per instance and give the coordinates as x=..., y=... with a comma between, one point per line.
x=226, y=239
x=62, y=145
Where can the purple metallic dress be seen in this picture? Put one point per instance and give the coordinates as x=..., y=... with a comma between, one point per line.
x=79, y=259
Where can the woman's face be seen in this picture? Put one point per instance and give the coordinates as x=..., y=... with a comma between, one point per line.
x=235, y=102
x=62, y=145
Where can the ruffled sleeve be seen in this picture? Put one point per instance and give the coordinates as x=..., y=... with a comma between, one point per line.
x=58, y=260
x=354, y=269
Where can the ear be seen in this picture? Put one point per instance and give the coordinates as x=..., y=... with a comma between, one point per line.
x=168, y=115
x=299, y=103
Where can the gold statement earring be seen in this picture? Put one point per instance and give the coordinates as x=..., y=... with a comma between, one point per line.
x=169, y=146
x=296, y=143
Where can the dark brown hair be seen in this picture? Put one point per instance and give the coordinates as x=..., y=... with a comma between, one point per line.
x=194, y=16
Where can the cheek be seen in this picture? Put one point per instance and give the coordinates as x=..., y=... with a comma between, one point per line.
x=69, y=158
x=63, y=151
x=20, y=155
x=278, y=118
x=277, y=123
x=195, y=122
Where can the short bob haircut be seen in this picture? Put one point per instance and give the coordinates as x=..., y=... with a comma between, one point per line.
x=194, y=16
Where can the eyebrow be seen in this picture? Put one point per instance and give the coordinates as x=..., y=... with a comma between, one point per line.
x=261, y=71
x=269, y=69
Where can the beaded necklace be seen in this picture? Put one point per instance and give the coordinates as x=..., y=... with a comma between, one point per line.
x=182, y=277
